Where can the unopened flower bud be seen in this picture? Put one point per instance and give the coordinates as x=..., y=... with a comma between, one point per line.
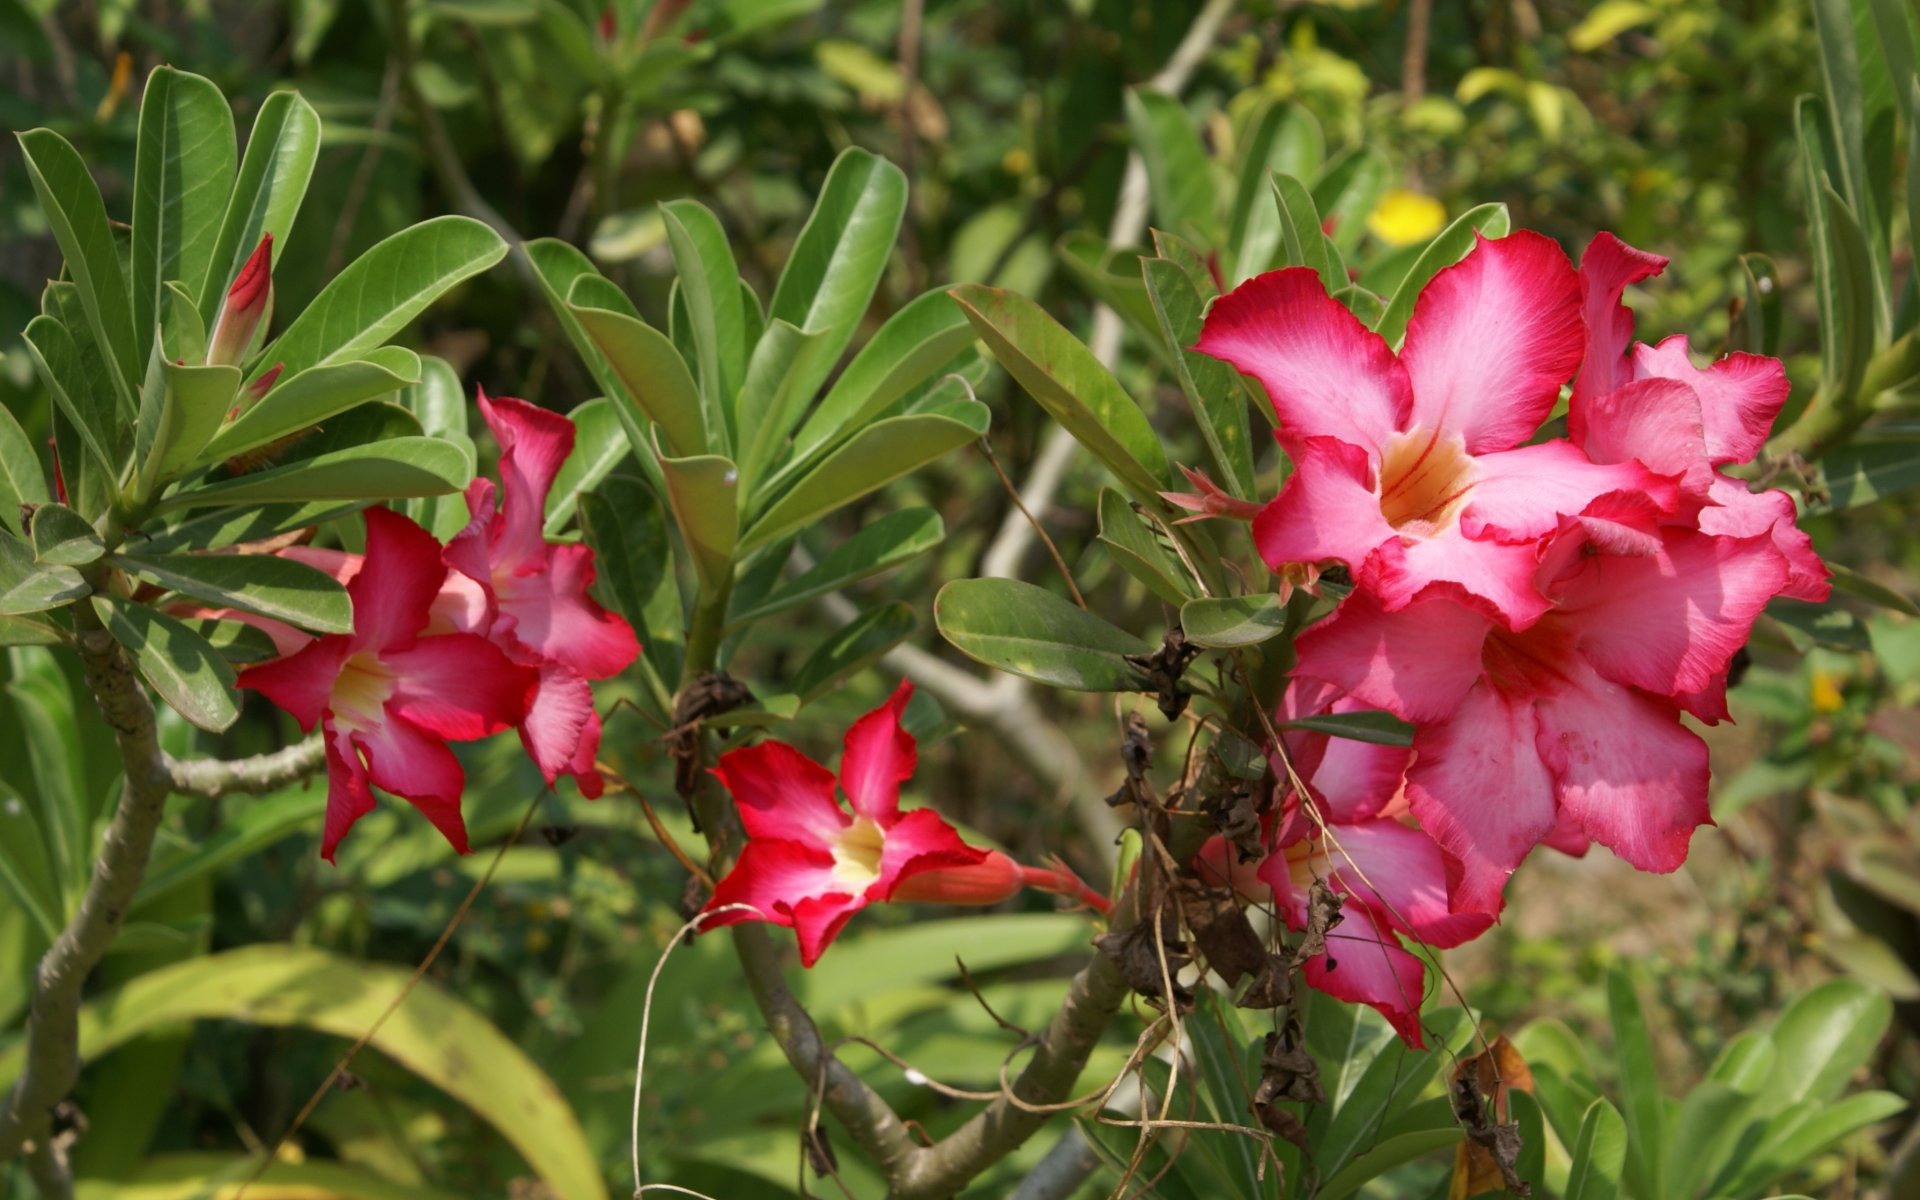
x=243, y=315
x=1209, y=499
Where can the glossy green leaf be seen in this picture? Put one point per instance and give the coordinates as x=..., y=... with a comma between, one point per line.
x=440, y=404
x=1805, y=1130
x=434, y=1035
x=1866, y=473
x=183, y=335
x=1179, y=172
x=886, y=543
x=1346, y=192
x=772, y=400
x=184, y=165
x=710, y=287
x=1059, y=371
x=838, y=260
x=853, y=648
x=1599, y=1155
x=624, y=524
x=313, y=396
x=181, y=409
x=26, y=874
x=1028, y=631
x=187, y=673
x=63, y=537
x=71, y=201
x=1387, y=1079
x=30, y=631
x=389, y=470
x=1213, y=389
x=871, y=459
x=22, y=479
x=1229, y=622
x=1851, y=299
x=1447, y=248
x=384, y=289
x=95, y=417
x=1639, y=1086
x=1285, y=140
x=281, y=150
x=1823, y=1038
x=1385, y=1155
x=1302, y=242
x=27, y=586
x=559, y=267
x=61, y=775
x=199, y=1176
x=704, y=494
x=1139, y=550
x=648, y=369
x=263, y=584
x=1220, y=1049
x=1379, y=728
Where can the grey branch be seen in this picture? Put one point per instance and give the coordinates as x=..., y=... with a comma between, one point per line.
x=213, y=778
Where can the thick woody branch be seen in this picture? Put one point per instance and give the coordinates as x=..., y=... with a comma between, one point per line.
x=212, y=778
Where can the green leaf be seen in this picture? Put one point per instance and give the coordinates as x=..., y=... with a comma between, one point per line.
x=313, y=396
x=853, y=648
x=1229, y=622
x=382, y=290
x=1213, y=389
x=1179, y=173
x=1302, y=243
x=1599, y=1155
x=1387, y=1154
x=1851, y=298
x=263, y=584
x=916, y=341
x=247, y=830
x=1447, y=248
x=1219, y=1043
x=1823, y=1038
x=190, y=1176
x=47, y=713
x=274, y=172
x=871, y=459
x=394, y=469
x=1758, y=329
x=184, y=164
x=26, y=874
x=704, y=494
x=771, y=399
x=181, y=408
x=599, y=445
x=1346, y=192
x=881, y=546
x=1640, y=1086
x=71, y=201
x=1028, y=631
x=187, y=673
x=183, y=336
x=1849, y=580
x=434, y=1035
x=30, y=631
x=27, y=586
x=710, y=287
x=437, y=401
x=1137, y=548
x=238, y=642
x=650, y=374
x=1073, y=387
x=838, y=260
x=226, y=527
x=1379, y=728
x=634, y=556
x=22, y=479
x=1285, y=140
x=1388, y=1079
x=1111, y=274
x=95, y=417
x=1866, y=473
x=558, y=268
x=63, y=537
x=1791, y=1141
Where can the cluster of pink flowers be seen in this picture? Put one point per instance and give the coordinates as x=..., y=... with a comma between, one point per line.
x=493, y=631
x=1542, y=610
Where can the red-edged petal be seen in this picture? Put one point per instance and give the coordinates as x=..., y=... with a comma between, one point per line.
x=558, y=725
x=1520, y=495
x=459, y=686
x=1607, y=267
x=774, y=877
x=1364, y=964
x=781, y=793
x=1351, y=780
x=1740, y=395
x=1499, y=575
x=397, y=581
x=1417, y=663
x=1479, y=788
x=919, y=841
x=1627, y=771
x=415, y=765
x=287, y=641
x=1326, y=373
x=470, y=552
x=348, y=795
x=1738, y=512
x=1670, y=622
x=880, y=756
x=1400, y=874
x=1655, y=422
x=1327, y=509
x=816, y=922
x=1491, y=340
x=303, y=683
x=553, y=615
x=533, y=444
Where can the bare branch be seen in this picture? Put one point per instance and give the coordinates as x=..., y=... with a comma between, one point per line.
x=254, y=776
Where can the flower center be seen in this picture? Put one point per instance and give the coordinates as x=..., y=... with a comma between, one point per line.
x=856, y=853
x=1527, y=663
x=360, y=693
x=1424, y=482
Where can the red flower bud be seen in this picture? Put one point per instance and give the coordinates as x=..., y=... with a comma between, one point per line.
x=243, y=315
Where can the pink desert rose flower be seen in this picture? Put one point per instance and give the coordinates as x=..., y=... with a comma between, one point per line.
x=1570, y=728
x=810, y=864
x=388, y=697
x=1410, y=468
x=533, y=599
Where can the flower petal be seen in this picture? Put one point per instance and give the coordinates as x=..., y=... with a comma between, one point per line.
x=1364, y=964
x=413, y=764
x=1400, y=874
x=1632, y=776
x=817, y=921
x=348, y=796
x=554, y=615
x=781, y=793
x=919, y=841
x=1351, y=780
x=1477, y=785
x=533, y=444
x=397, y=581
x=774, y=876
x=459, y=686
x=1326, y=373
x=303, y=683
x=561, y=731
x=1491, y=340
x=1496, y=576
x=1520, y=495
x=880, y=756
x=1655, y=422
x=1327, y=509
x=1740, y=395
x=1737, y=512
x=1607, y=267
x=1417, y=663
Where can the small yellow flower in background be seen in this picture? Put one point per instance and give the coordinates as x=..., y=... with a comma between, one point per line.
x=1824, y=693
x=1403, y=218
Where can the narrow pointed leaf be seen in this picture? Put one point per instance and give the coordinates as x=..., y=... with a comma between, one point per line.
x=1302, y=241
x=599, y=445
x=1286, y=140
x=1028, y=631
x=1213, y=389
x=648, y=369
x=95, y=417
x=187, y=672
x=704, y=493
x=281, y=150
x=1133, y=544
x=1179, y=173
x=893, y=539
x=1448, y=247
x=394, y=469
x=313, y=396
x=1380, y=728
x=25, y=873
x=262, y=584
x=624, y=524
x=183, y=173
x=853, y=648
x=772, y=399
x=710, y=287
x=1599, y=1155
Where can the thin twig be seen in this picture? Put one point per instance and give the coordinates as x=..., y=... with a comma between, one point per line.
x=1013, y=494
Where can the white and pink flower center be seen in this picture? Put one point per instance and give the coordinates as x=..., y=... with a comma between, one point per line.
x=857, y=850
x=1425, y=477
x=360, y=693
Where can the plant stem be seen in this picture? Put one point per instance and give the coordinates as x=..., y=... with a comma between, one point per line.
x=212, y=778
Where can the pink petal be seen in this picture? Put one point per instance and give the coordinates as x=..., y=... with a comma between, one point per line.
x=553, y=615
x=461, y=606
x=348, y=795
x=1351, y=780
x=1628, y=772
x=773, y=876
x=1479, y=788
x=919, y=841
x=470, y=552
x=817, y=921
x=1326, y=510
x=1498, y=575
x=1739, y=396
x=1326, y=373
x=559, y=725
x=781, y=793
x=1401, y=875
x=287, y=641
x=533, y=444
x=880, y=756
x=1417, y=663
x=413, y=764
x=1607, y=267
x=1567, y=836
x=302, y=684
x=1491, y=340
x=1364, y=964
x=1522, y=494
x=1653, y=421
x=459, y=686
x=341, y=565
x=1670, y=622
x=396, y=584
x=1738, y=512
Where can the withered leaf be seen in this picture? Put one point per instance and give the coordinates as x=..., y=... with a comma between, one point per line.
x=1221, y=930
x=1323, y=913
x=1137, y=953
x=1287, y=1071
x=708, y=696
x=1281, y=1123
x=1163, y=669
x=1136, y=755
x=1489, y=1158
x=1235, y=809
x=1272, y=984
